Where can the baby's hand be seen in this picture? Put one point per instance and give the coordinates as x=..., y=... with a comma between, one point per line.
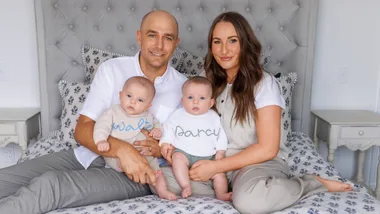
x=156, y=133
x=220, y=154
x=103, y=146
x=165, y=147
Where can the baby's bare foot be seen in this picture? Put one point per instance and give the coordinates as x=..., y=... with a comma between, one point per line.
x=157, y=173
x=186, y=192
x=166, y=194
x=334, y=186
x=225, y=196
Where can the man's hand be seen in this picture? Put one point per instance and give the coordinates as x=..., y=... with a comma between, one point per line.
x=135, y=166
x=148, y=147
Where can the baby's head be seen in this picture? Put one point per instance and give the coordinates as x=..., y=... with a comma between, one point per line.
x=137, y=95
x=197, y=95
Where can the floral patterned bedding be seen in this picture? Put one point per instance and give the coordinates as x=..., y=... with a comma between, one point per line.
x=303, y=159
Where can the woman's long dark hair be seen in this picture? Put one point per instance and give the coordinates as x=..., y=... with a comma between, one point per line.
x=250, y=71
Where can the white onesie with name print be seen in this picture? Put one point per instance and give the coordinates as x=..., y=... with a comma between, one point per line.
x=198, y=135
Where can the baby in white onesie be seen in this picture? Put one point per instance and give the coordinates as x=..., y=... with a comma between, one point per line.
x=125, y=121
x=196, y=133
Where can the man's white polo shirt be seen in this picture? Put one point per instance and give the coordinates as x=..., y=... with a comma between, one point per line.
x=109, y=81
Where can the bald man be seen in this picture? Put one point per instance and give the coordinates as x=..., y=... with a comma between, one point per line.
x=79, y=177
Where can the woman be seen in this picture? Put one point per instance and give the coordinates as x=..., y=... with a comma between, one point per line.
x=250, y=104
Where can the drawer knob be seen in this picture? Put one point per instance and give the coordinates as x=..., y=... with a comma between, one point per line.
x=361, y=132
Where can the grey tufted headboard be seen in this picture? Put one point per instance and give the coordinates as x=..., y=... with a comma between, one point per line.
x=285, y=28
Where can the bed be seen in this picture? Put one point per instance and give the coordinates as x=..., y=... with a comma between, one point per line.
x=75, y=36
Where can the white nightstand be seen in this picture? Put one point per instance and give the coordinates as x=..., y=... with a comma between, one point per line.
x=18, y=125
x=355, y=129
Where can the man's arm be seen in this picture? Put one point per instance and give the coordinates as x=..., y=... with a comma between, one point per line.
x=135, y=166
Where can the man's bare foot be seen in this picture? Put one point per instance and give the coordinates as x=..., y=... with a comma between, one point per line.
x=334, y=186
x=166, y=194
x=225, y=196
x=186, y=192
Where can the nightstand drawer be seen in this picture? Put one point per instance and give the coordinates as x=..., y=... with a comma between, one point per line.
x=7, y=129
x=360, y=132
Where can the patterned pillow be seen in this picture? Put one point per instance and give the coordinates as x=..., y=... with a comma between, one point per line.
x=92, y=58
x=73, y=97
x=287, y=83
x=264, y=62
x=47, y=145
x=193, y=65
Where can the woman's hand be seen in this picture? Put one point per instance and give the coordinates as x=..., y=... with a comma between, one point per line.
x=203, y=170
x=148, y=147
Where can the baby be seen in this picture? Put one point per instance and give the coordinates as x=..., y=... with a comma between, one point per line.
x=197, y=134
x=125, y=122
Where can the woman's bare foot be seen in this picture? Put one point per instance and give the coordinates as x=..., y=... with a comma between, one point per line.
x=186, y=192
x=334, y=186
x=225, y=196
x=166, y=194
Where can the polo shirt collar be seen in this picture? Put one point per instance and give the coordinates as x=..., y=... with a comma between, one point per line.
x=159, y=79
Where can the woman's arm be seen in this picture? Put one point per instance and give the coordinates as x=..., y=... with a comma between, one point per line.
x=268, y=128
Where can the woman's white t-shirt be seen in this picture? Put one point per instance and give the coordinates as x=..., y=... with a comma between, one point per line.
x=240, y=136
